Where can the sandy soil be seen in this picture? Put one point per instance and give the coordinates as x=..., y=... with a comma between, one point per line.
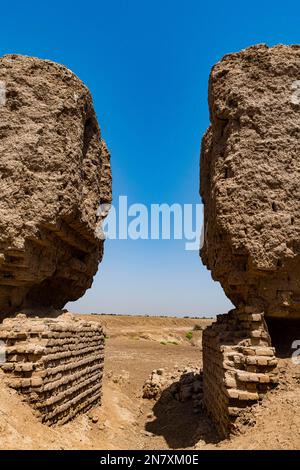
x=134, y=347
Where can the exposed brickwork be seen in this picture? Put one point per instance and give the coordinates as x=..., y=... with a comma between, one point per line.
x=56, y=364
x=239, y=366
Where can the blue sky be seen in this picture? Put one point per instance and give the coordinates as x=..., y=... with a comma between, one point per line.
x=147, y=65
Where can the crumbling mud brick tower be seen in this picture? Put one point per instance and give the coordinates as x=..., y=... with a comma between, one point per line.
x=250, y=172
x=54, y=174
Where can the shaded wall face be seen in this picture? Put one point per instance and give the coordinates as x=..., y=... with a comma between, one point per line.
x=250, y=172
x=285, y=334
x=54, y=172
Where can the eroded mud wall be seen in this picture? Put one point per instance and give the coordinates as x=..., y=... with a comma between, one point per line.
x=54, y=173
x=250, y=168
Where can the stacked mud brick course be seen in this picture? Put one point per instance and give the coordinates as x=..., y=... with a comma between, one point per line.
x=250, y=170
x=239, y=366
x=57, y=364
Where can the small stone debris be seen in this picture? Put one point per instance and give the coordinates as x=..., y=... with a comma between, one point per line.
x=182, y=384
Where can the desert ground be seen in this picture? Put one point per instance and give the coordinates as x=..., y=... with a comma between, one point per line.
x=135, y=346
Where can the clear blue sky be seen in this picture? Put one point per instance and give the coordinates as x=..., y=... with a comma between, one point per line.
x=147, y=65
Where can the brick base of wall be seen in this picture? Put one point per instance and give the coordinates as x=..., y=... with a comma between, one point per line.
x=239, y=366
x=56, y=364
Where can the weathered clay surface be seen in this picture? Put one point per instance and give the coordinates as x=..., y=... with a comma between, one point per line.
x=250, y=172
x=54, y=173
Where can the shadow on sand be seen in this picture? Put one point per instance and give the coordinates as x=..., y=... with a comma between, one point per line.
x=178, y=424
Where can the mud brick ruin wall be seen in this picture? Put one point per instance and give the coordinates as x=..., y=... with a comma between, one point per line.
x=56, y=364
x=54, y=174
x=239, y=366
x=250, y=170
